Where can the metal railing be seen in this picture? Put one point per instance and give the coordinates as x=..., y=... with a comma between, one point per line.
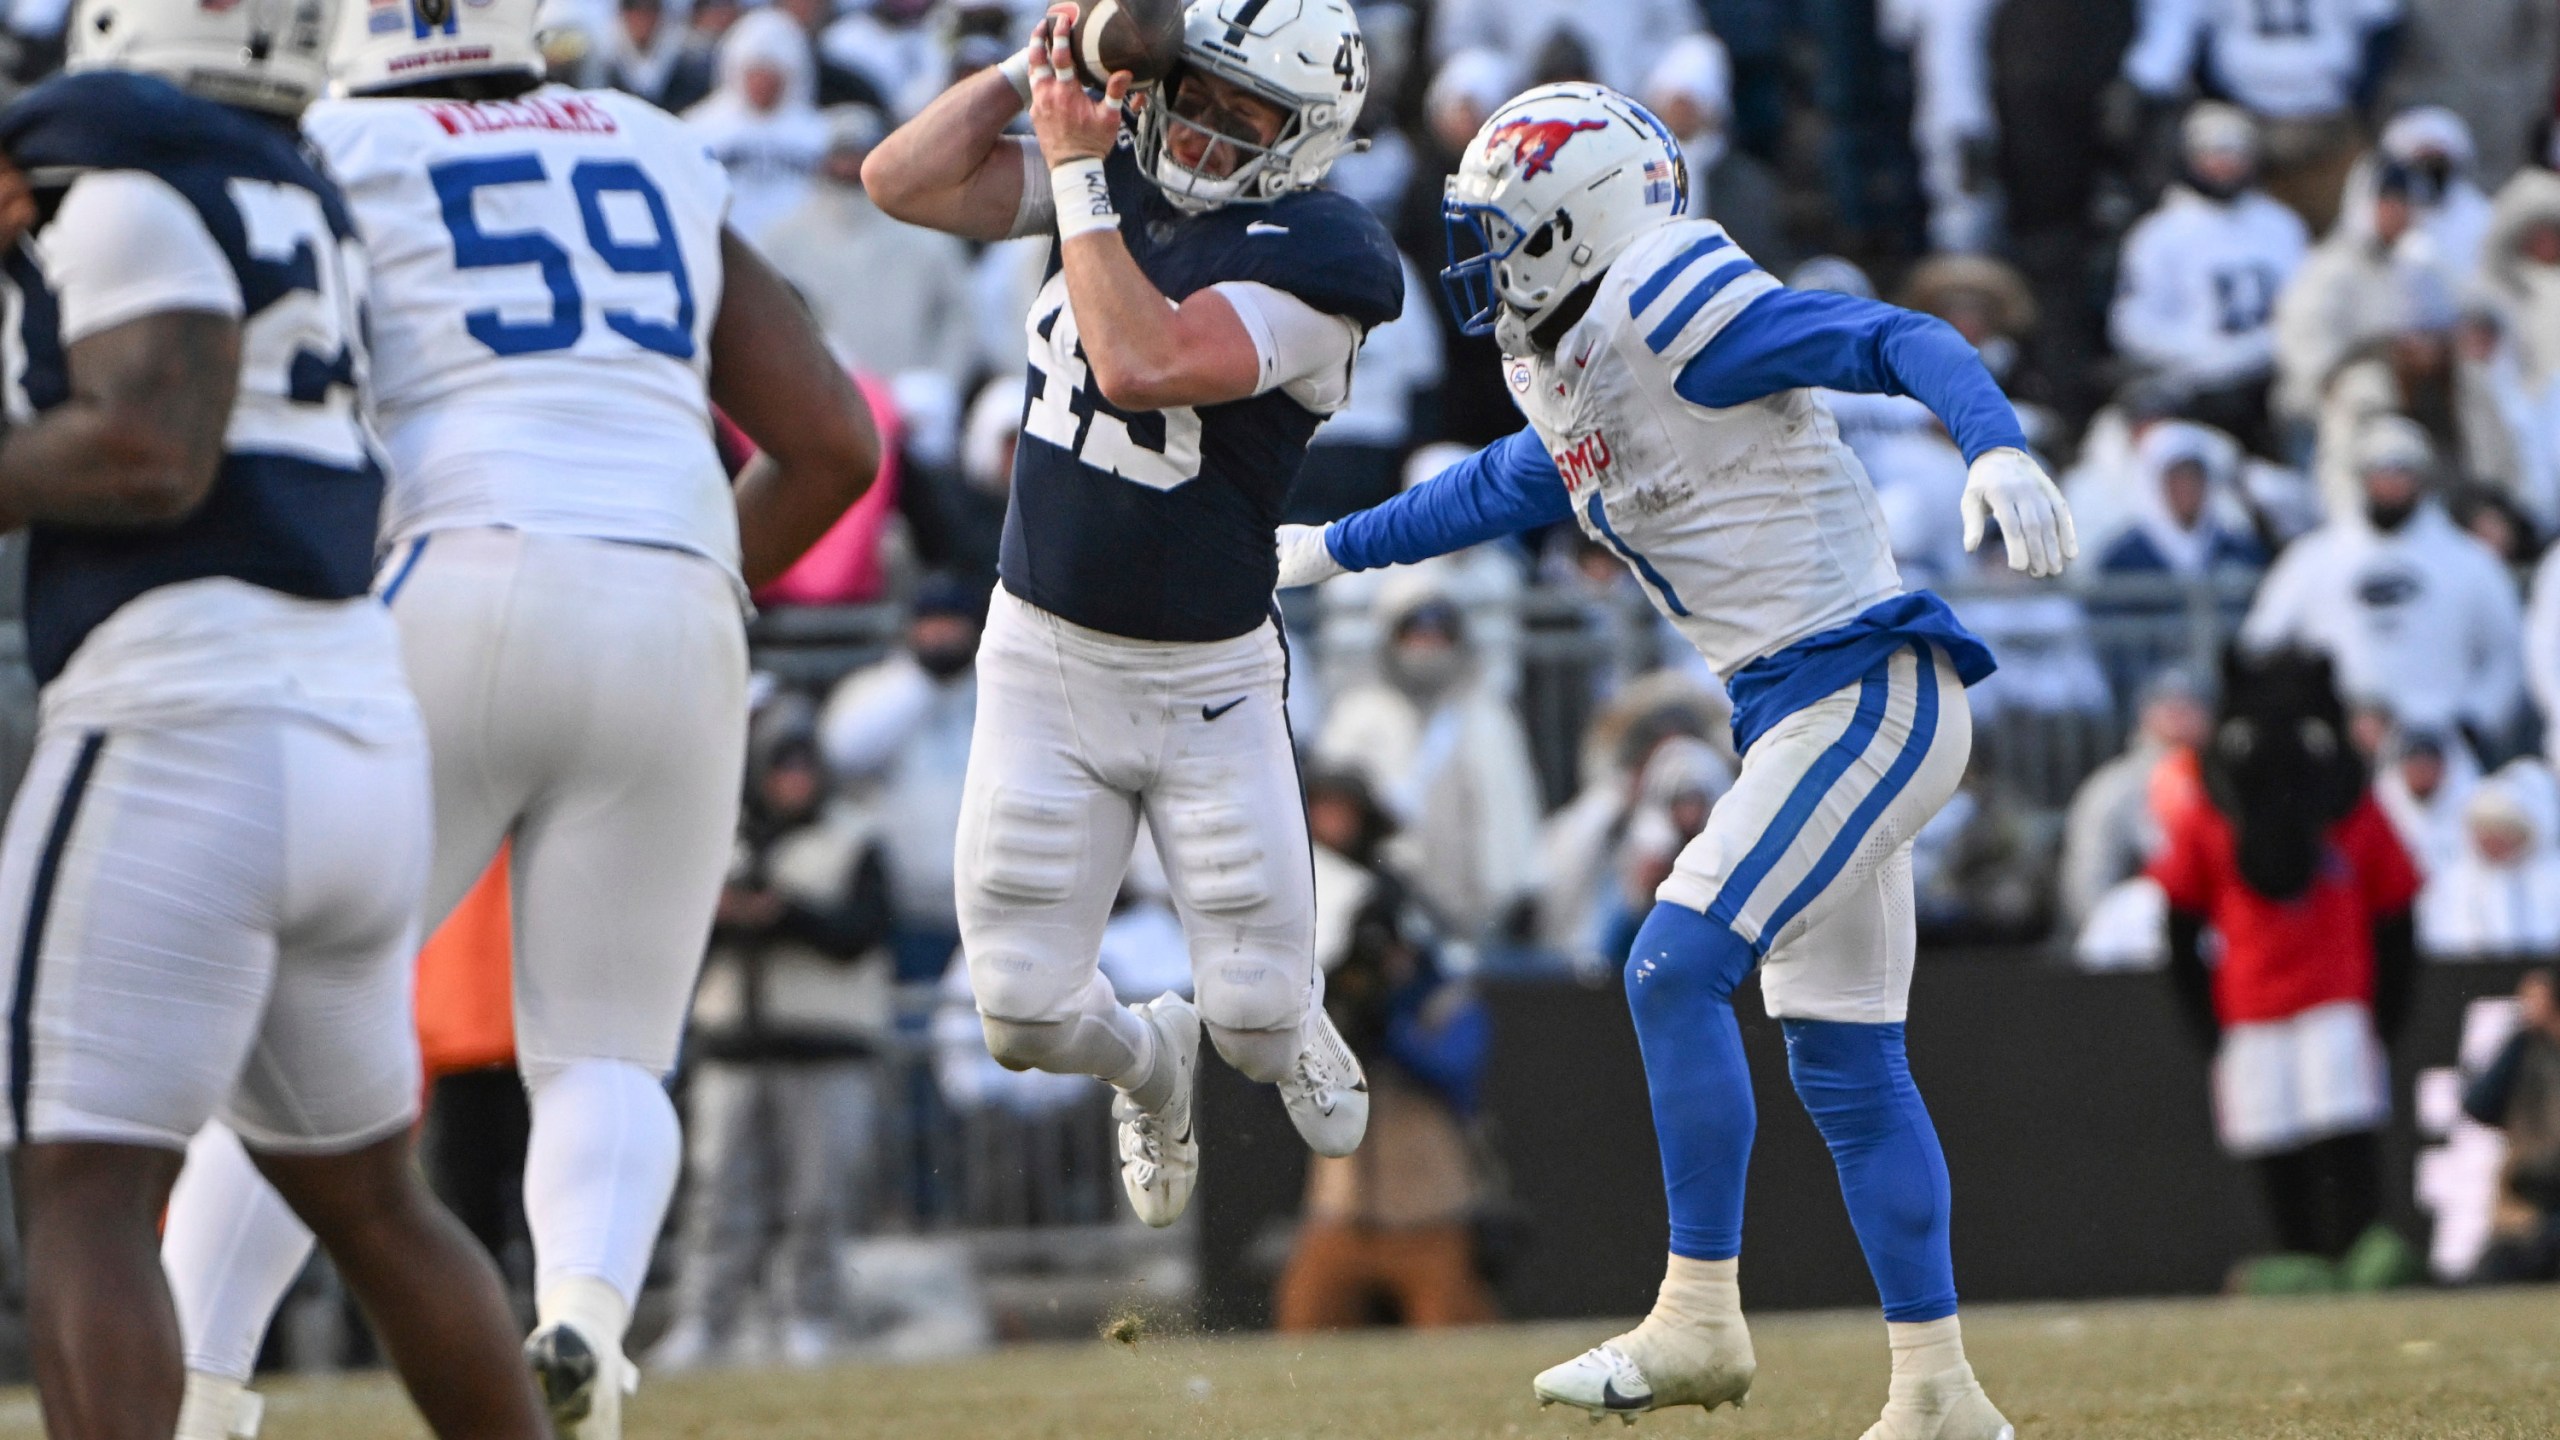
x=1573, y=650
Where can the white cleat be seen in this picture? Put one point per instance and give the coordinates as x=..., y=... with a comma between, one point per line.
x=1327, y=1096
x=1949, y=1406
x=1708, y=1368
x=582, y=1383
x=1159, y=1153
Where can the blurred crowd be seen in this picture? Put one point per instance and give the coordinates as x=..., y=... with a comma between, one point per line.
x=2275, y=285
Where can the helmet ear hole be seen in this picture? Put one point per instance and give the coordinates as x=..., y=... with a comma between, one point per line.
x=1540, y=241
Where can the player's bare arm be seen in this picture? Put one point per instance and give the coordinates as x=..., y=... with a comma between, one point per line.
x=772, y=375
x=140, y=439
x=952, y=168
x=1147, y=352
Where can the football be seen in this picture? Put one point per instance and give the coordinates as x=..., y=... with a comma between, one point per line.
x=1143, y=37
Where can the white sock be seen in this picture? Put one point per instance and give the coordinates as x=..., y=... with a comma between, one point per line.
x=217, y=1407
x=598, y=1173
x=1696, y=1293
x=232, y=1248
x=1924, y=1350
x=594, y=1307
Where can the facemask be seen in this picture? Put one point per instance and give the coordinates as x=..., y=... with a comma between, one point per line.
x=1426, y=671
x=944, y=661
x=2389, y=518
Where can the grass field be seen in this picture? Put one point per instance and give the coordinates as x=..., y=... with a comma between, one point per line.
x=2481, y=1366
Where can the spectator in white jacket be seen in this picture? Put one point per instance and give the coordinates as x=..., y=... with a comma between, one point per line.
x=2420, y=619
x=761, y=121
x=2197, y=282
x=2301, y=66
x=2434, y=146
x=1953, y=127
x=893, y=299
x=1449, y=760
x=1619, y=37
x=2423, y=784
x=900, y=729
x=2375, y=276
x=2501, y=897
x=2112, y=828
x=2542, y=643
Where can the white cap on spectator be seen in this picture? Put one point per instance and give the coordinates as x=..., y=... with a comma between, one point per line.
x=2427, y=130
x=1833, y=273
x=994, y=416
x=929, y=408
x=2394, y=442
x=2213, y=128
x=1695, y=66
x=1478, y=79
x=2178, y=442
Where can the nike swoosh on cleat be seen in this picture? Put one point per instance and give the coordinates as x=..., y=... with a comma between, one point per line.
x=1265, y=227
x=1610, y=1398
x=1213, y=712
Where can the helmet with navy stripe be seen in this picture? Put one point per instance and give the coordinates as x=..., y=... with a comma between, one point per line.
x=270, y=55
x=393, y=44
x=1305, y=57
x=1551, y=191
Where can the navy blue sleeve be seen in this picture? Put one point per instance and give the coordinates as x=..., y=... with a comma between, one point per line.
x=1508, y=486
x=1790, y=339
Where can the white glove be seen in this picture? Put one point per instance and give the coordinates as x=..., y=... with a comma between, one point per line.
x=1304, y=557
x=2007, y=485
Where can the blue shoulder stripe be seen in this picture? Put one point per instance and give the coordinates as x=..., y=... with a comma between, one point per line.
x=1652, y=289
x=1696, y=300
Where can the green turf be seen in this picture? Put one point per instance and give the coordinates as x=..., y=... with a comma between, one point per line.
x=2484, y=1365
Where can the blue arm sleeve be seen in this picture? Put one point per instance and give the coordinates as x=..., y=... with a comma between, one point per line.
x=1789, y=339
x=1506, y=487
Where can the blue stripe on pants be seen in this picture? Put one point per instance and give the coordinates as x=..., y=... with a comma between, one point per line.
x=1819, y=777
x=1924, y=732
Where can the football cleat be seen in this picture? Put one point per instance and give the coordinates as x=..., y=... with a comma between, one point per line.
x=1327, y=1096
x=1948, y=1406
x=1159, y=1152
x=582, y=1385
x=1683, y=1367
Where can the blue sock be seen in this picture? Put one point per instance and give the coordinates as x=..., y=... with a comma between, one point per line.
x=1680, y=980
x=1856, y=1083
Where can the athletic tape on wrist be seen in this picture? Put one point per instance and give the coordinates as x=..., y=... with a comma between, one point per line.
x=1084, y=198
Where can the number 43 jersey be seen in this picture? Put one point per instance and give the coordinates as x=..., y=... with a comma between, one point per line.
x=546, y=272
x=1158, y=524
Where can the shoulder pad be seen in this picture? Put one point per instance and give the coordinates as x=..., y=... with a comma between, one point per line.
x=1325, y=248
x=120, y=120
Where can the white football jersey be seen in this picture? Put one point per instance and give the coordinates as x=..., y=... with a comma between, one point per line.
x=1752, y=527
x=546, y=272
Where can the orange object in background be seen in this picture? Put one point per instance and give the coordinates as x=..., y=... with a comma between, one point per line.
x=465, y=1000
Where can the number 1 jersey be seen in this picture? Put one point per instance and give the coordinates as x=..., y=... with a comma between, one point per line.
x=546, y=272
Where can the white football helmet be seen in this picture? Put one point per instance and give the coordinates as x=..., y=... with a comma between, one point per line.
x=1548, y=194
x=1305, y=56
x=388, y=44
x=261, y=54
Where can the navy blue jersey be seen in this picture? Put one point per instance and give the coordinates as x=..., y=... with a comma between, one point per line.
x=296, y=501
x=1158, y=525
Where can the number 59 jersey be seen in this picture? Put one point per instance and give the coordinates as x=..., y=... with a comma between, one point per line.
x=546, y=272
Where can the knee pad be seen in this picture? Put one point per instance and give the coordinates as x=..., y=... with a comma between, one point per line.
x=1026, y=1044
x=1683, y=959
x=1262, y=1056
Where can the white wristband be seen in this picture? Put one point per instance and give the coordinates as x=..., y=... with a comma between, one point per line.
x=1084, y=198
x=1016, y=69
